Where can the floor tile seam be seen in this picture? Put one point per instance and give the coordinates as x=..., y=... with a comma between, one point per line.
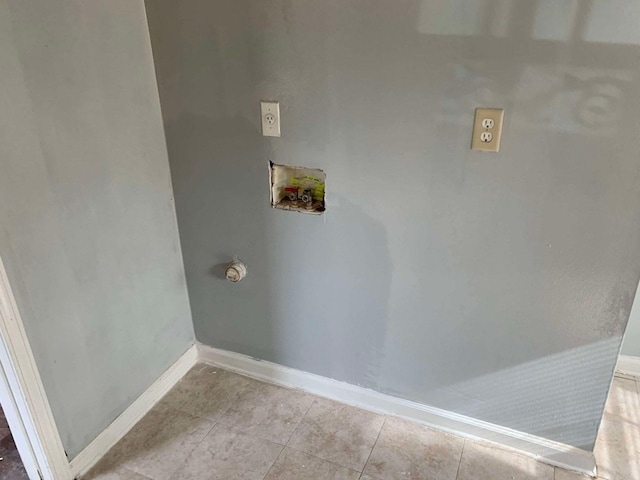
x=323, y=459
x=194, y=415
x=118, y=465
x=188, y=455
x=248, y=433
x=222, y=414
x=315, y=399
x=223, y=421
x=302, y=418
x=384, y=421
x=464, y=444
x=220, y=420
x=274, y=461
x=240, y=392
x=132, y=471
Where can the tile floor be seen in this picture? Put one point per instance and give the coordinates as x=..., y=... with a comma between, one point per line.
x=216, y=425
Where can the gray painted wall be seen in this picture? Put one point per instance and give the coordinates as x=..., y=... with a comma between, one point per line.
x=631, y=345
x=494, y=285
x=87, y=222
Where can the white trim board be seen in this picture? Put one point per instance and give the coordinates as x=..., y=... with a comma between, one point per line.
x=11, y=408
x=88, y=457
x=553, y=453
x=37, y=436
x=628, y=366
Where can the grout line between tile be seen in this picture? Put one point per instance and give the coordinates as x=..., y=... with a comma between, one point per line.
x=324, y=460
x=300, y=422
x=186, y=458
x=274, y=462
x=464, y=444
x=315, y=399
x=132, y=472
x=240, y=392
x=374, y=444
x=220, y=414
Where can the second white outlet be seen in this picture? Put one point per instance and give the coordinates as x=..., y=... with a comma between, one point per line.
x=487, y=129
x=270, y=113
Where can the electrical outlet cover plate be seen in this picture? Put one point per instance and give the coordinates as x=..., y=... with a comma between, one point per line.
x=270, y=114
x=488, y=120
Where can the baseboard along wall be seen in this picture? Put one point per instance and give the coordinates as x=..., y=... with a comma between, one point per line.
x=553, y=453
x=88, y=457
x=628, y=366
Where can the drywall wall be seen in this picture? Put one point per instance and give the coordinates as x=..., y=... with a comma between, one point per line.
x=631, y=344
x=494, y=285
x=87, y=222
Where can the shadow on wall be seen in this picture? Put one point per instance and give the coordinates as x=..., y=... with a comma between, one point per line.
x=293, y=275
x=333, y=293
x=497, y=287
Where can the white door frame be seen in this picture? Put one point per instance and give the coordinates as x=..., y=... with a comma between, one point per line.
x=14, y=419
x=23, y=396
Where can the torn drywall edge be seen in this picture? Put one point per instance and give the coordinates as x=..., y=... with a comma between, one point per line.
x=271, y=165
x=312, y=180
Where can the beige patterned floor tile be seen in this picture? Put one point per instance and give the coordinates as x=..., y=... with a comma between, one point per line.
x=268, y=411
x=206, y=392
x=106, y=472
x=407, y=450
x=484, y=462
x=338, y=433
x=159, y=443
x=295, y=465
x=618, y=449
x=227, y=454
x=623, y=401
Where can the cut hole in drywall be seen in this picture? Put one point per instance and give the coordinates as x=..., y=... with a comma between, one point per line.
x=297, y=188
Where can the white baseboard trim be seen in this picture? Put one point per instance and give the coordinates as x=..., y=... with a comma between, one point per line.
x=547, y=451
x=86, y=459
x=628, y=366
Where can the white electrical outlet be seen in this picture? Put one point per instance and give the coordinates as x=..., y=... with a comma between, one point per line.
x=488, y=123
x=487, y=129
x=270, y=113
x=486, y=137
